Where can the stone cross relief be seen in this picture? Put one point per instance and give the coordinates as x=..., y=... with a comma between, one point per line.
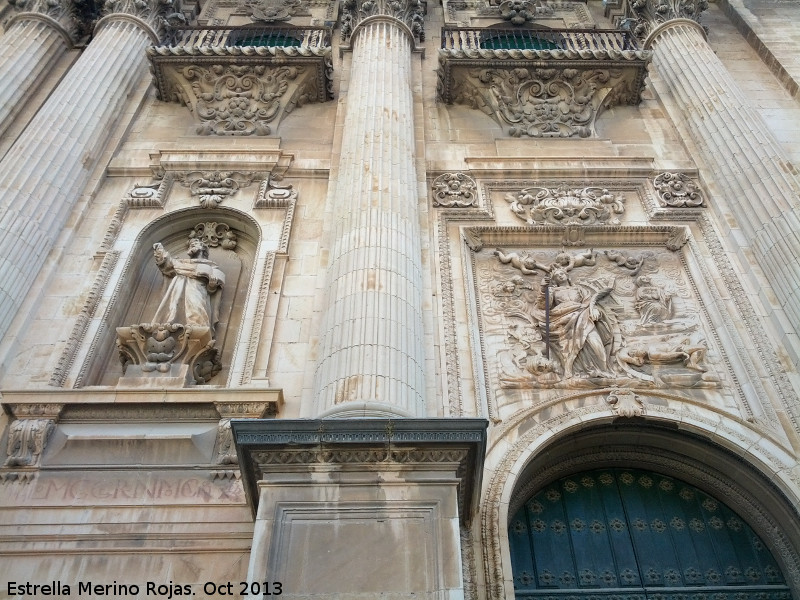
x=179, y=343
x=591, y=318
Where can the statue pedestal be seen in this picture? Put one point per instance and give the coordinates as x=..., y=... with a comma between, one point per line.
x=167, y=354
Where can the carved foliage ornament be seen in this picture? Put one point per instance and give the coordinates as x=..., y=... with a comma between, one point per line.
x=26, y=441
x=214, y=234
x=410, y=12
x=539, y=102
x=246, y=99
x=566, y=206
x=678, y=190
x=159, y=14
x=454, y=190
x=649, y=14
x=271, y=11
x=211, y=188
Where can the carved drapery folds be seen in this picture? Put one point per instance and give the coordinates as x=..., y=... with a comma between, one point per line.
x=243, y=81
x=597, y=317
x=454, y=190
x=541, y=84
x=179, y=345
x=649, y=14
x=409, y=12
x=566, y=206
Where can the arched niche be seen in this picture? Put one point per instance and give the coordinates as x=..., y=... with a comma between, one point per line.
x=142, y=285
x=689, y=457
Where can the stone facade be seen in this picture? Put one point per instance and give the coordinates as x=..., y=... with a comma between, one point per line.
x=315, y=306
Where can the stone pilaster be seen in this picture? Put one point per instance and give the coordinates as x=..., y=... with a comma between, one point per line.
x=34, y=40
x=45, y=171
x=733, y=148
x=371, y=356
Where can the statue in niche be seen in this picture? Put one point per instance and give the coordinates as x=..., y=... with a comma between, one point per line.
x=178, y=346
x=592, y=318
x=191, y=298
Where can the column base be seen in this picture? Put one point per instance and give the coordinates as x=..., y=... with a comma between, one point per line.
x=360, y=508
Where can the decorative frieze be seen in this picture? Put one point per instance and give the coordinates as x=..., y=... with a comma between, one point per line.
x=566, y=206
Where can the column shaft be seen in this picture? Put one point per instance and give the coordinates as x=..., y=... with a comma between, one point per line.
x=746, y=160
x=48, y=167
x=371, y=353
x=28, y=51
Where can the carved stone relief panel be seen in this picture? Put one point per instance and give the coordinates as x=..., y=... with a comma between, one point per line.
x=619, y=311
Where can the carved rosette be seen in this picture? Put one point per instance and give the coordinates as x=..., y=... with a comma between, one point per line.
x=454, y=190
x=649, y=14
x=539, y=102
x=409, y=12
x=167, y=350
x=566, y=206
x=678, y=190
x=211, y=188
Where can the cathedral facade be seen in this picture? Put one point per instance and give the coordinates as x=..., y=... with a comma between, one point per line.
x=357, y=299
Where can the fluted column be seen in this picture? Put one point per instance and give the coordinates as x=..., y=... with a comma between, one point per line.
x=33, y=42
x=47, y=168
x=371, y=357
x=737, y=152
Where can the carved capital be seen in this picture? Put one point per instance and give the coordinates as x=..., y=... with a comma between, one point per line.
x=157, y=16
x=648, y=15
x=409, y=12
x=71, y=19
x=454, y=190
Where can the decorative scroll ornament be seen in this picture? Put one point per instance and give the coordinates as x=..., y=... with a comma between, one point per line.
x=271, y=11
x=677, y=190
x=566, y=206
x=539, y=102
x=211, y=188
x=214, y=234
x=410, y=12
x=26, y=441
x=649, y=14
x=625, y=403
x=518, y=12
x=225, y=448
x=454, y=190
x=245, y=99
x=275, y=195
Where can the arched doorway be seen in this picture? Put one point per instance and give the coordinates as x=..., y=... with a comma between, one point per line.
x=635, y=534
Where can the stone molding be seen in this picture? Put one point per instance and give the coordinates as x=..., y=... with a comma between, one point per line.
x=267, y=444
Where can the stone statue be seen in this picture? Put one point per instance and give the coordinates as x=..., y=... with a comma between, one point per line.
x=191, y=298
x=652, y=302
x=579, y=327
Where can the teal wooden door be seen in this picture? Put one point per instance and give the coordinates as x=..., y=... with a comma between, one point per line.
x=627, y=534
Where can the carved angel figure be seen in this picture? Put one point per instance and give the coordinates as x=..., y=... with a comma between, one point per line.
x=191, y=298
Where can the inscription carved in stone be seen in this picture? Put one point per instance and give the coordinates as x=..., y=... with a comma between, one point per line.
x=591, y=318
x=566, y=206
